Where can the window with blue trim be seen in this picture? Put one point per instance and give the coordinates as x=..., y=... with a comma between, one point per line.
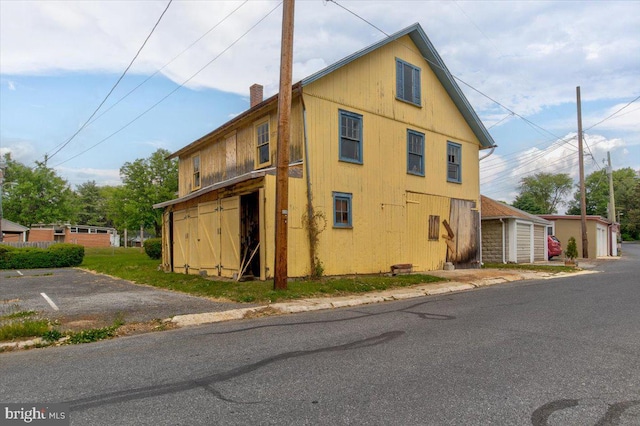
x=342, y=214
x=407, y=82
x=415, y=153
x=454, y=168
x=350, y=137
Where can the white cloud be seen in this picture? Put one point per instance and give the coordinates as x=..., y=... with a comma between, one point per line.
x=531, y=60
x=20, y=150
x=500, y=175
x=77, y=176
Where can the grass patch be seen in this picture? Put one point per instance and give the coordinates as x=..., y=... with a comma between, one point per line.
x=18, y=314
x=134, y=265
x=24, y=328
x=530, y=267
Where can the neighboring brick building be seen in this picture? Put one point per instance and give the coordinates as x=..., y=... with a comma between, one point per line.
x=13, y=232
x=88, y=236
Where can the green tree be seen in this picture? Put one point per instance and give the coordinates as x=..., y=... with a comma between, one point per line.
x=36, y=195
x=92, y=204
x=630, y=219
x=145, y=182
x=527, y=202
x=542, y=193
x=596, y=184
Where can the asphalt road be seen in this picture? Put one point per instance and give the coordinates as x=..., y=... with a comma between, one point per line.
x=87, y=300
x=552, y=352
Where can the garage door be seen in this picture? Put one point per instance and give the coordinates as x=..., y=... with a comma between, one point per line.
x=539, y=242
x=523, y=233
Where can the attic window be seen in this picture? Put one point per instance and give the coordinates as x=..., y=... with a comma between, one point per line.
x=407, y=82
x=196, y=171
x=263, y=153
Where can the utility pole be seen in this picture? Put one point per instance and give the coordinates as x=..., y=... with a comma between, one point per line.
x=583, y=197
x=282, y=154
x=3, y=164
x=612, y=203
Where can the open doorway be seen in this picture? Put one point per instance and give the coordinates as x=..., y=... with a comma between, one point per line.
x=250, y=235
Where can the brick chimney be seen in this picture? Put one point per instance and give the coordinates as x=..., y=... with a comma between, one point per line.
x=255, y=93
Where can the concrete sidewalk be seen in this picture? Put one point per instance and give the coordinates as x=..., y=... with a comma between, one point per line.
x=459, y=280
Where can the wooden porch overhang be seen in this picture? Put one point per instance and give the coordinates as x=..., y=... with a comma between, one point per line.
x=255, y=174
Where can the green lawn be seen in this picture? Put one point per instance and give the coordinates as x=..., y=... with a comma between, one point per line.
x=134, y=265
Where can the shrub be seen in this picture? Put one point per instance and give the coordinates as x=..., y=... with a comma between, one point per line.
x=153, y=248
x=67, y=254
x=56, y=256
x=572, y=249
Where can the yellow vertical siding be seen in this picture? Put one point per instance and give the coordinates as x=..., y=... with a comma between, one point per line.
x=381, y=233
x=390, y=208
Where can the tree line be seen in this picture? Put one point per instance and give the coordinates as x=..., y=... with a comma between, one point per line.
x=33, y=195
x=544, y=193
x=38, y=195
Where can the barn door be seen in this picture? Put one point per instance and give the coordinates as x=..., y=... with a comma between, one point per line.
x=209, y=236
x=463, y=247
x=229, y=236
x=180, y=230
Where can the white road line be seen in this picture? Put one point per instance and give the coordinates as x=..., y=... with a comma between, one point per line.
x=19, y=273
x=53, y=305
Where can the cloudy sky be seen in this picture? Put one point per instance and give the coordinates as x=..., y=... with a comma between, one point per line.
x=518, y=63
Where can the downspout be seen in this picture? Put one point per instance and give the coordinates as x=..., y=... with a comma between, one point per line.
x=493, y=148
x=504, y=261
x=310, y=212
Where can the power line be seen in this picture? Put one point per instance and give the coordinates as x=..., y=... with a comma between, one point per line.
x=529, y=122
x=174, y=90
x=611, y=116
x=168, y=63
x=114, y=86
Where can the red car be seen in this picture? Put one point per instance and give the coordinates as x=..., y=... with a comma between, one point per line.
x=554, y=246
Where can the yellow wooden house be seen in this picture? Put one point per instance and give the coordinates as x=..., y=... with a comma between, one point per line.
x=383, y=171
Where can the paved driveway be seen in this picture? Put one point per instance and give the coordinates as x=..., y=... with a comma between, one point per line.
x=82, y=299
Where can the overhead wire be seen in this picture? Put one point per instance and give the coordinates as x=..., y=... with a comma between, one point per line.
x=512, y=112
x=48, y=157
x=169, y=62
x=174, y=90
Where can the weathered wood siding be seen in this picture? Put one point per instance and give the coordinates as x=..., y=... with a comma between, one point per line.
x=233, y=153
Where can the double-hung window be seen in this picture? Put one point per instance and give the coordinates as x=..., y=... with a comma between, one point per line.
x=454, y=168
x=407, y=82
x=415, y=153
x=342, y=214
x=350, y=137
x=195, y=161
x=263, y=154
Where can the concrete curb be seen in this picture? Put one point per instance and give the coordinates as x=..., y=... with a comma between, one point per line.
x=309, y=305
x=319, y=304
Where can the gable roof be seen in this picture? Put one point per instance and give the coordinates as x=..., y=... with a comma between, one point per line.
x=492, y=209
x=428, y=52
x=9, y=226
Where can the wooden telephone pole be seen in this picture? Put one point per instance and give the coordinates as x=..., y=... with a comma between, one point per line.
x=282, y=154
x=612, y=201
x=583, y=197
